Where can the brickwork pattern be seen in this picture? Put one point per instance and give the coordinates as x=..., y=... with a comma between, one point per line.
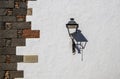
x=13, y=31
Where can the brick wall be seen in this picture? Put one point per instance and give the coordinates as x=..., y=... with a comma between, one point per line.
x=13, y=31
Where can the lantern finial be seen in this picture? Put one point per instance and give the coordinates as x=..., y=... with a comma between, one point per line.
x=71, y=18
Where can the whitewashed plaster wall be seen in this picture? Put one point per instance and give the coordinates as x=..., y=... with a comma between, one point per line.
x=99, y=21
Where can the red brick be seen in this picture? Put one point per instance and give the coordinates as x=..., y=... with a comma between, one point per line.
x=27, y=33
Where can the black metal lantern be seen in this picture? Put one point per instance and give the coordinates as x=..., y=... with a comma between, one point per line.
x=72, y=26
x=78, y=39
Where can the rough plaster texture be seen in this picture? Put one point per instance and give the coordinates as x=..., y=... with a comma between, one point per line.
x=99, y=22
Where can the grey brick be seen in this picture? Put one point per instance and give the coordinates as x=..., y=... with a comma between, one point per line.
x=8, y=66
x=1, y=18
x=7, y=4
x=23, y=5
x=17, y=58
x=16, y=74
x=8, y=51
x=19, y=11
x=21, y=18
x=8, y=33
x=12, y=58
x=2, y=42
x=2, y=59
x=12, y=42
x=18, y=42
x=21, y=25
x=2, y=25
x=7, y=0
x=5, y=42
x=2, y=74
x=9, y=18
x=12, y=74
x=26, y=0
x=3, y=11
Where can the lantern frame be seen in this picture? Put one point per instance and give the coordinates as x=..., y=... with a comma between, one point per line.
x=71, y=25
x=78, y=39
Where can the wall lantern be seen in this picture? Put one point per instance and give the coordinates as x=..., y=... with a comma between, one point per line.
x=78, y=39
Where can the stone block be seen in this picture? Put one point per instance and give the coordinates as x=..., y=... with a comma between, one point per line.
x=7, y=4
x=21, y=25
x=30, y=58
x=11, y=74
x=8, y=18
x=2, y=26
x=8, y=26
x=29, y=11
x=21, y=18
x=24, y=0
x=1, y=18
x=8, y=66
x=3, y=11
x=11, y=58
x=8, y=33
x=2, y=59
x=8, y=51
x=2, y=42
x=2, y=74
x=8, y=42
x=23, y=5
x=19, y=11
x=18, y=42
x=16, y=74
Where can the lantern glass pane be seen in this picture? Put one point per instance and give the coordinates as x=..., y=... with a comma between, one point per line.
x=72, y=31
x=72, y=26
x=83, y=44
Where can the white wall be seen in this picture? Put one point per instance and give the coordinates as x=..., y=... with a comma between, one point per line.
x=99, y=22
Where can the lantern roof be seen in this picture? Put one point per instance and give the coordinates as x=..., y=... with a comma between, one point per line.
x=79, y=37
x=72, y=22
